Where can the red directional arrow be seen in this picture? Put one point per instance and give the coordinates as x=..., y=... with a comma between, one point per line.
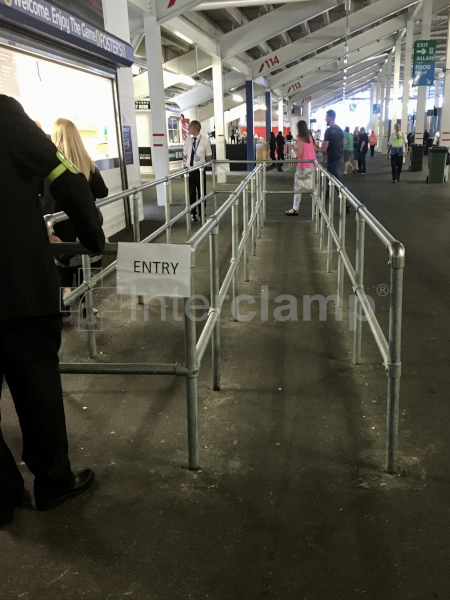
x=171, y=3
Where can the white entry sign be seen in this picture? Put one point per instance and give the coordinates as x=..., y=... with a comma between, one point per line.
x=154, y=269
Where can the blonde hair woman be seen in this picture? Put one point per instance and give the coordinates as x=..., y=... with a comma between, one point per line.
x=67, y=139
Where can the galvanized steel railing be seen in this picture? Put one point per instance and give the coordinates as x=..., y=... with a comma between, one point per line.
x=253, y=219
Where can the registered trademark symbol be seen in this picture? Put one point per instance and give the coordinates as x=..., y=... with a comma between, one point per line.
x=383, y=289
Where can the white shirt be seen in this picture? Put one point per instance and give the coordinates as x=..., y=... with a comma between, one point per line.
x=202, y=150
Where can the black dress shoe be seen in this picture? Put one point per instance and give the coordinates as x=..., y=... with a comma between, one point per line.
x=83, y=481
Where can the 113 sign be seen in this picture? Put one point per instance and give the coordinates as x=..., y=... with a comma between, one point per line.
x=269, y=63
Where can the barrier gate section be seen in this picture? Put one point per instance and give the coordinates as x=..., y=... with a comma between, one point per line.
x=253, y=187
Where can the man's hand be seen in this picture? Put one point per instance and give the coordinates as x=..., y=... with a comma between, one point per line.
x=54, y=239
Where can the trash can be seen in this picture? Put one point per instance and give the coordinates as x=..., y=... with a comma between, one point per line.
x=416, y=157
x=437, y=164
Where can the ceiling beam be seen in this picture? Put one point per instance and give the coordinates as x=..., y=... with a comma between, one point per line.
x=355, y=44
x=329, y=34
x=271, y=24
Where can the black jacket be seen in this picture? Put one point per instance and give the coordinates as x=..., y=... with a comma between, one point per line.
x=29, y=281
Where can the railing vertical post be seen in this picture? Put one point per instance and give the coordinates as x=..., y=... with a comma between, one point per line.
x=190, y=333
x=167, y=204
x=136, y=229
x=252, y=192
x=330, y=227
x=213, y=171
x=202, y=193
x=188, y=203
x=324, y=212
x=264, y=179
x=322, y=208
x=359, y=277
x=319, y=199
x=397, y=264
x=89, y=302
x=316, y=191
x=340, y=270
x=215, y=302
x=258, y=198
x=245, y=233
x=235, y=244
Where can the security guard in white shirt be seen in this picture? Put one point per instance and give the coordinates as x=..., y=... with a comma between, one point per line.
x=197, y=151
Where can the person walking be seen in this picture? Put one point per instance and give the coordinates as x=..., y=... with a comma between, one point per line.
x=397, y=148
x=303, y=180
x=272, y=146
x=196, y=152
x=333, y=145
x=30, y=319
x=280, y=149
x=372, y=142
x=348, y=151
x=363, y=149
x=356, y=148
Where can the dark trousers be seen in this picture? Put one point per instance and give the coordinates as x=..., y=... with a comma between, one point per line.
x=396, y=164
x=362, y=161
x=372, y=150
x=29, y=363
x=280, y=155
x=272, y=154
x=333, y=167
x=194, y=190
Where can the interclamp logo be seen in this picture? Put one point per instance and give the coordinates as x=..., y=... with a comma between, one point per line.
x=8, y=2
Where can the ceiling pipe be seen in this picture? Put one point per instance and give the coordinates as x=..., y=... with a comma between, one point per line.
x=220, y=4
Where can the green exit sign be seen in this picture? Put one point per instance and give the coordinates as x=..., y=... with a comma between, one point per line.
x=425, y=51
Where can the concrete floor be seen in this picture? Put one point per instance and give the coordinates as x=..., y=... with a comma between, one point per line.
x=291, y=500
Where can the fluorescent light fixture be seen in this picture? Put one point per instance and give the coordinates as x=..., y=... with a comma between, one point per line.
x=237, y=98
x=184, y=37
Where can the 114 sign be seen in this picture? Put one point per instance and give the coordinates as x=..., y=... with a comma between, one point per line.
x=269, y=63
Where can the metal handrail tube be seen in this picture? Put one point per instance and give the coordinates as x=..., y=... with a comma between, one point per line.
x=374, y=324
x=124, y=369
x=348, y=266
x=206, y=334
x=61, y=216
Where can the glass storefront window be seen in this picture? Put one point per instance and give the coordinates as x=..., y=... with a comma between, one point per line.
x=174, y=134
x=50, y=90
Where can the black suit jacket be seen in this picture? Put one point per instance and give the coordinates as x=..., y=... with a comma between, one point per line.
x=29, y=284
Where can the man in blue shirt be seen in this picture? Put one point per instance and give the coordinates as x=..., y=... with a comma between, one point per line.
x=333, y=145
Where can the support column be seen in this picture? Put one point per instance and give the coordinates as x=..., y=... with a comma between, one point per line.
x=115, y=14
x=289, y=112
x=160, y=146
x=221, y=150
x=409, y=39
x=268, y=115
x=280, y=115
x=376, y=100
x=249, y=99
x=423, y=89
x=380, y=131
x=387, y=100
x=396, y=110
x=444, y=139
x=307, y=113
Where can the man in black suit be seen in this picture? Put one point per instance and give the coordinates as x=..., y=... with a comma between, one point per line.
x=30, y=319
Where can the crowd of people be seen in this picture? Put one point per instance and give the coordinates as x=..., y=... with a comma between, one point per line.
x=341, y=148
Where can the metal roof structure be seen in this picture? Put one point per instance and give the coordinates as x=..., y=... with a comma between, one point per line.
x=297, y=48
